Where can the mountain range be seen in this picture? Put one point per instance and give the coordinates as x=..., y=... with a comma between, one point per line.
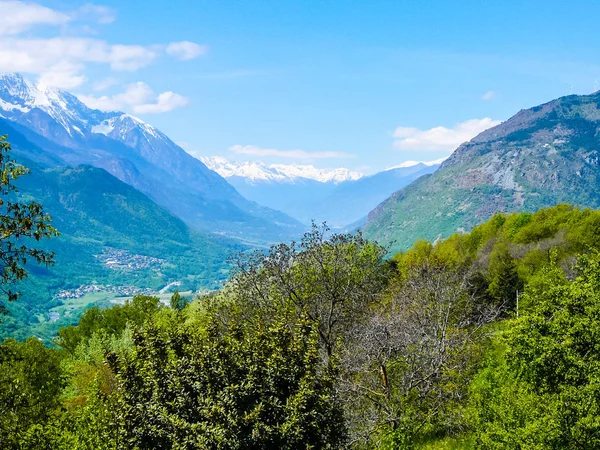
x=339, y=197
x=139, y=155
x=136, y=211
x=542, y=156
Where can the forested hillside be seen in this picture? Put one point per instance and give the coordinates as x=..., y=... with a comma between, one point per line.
x=326, y=344
x=113, y=240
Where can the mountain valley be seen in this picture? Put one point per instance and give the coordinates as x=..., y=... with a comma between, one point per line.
x=337, y=196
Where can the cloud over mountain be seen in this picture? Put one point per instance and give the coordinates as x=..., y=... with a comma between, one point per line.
x=56, y=46
x=441, y=138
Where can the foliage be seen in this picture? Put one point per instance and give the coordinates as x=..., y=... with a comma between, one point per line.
x=31, y=380
x=333, y=281
x=228, y=388
x=111, y=321
x=324, y=344
x=408, y=365
x=546, y=392
x=178, y=302
x=20, y=223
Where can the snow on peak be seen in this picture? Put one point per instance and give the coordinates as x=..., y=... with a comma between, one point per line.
x=416, y=163
x=288, y=173
x=18, y=96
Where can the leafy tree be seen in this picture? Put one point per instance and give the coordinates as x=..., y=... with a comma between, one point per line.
x=19, y=223
x=30, y=385
x=178, y=302
x=547, y=394
x=331, y=280
x=228, y=386
x=111, y=321
x=504, y=281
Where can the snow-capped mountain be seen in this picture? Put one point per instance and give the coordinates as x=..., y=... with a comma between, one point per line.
x=68, y=133
x=256, y=171
x=24, y=102
x=338, y=196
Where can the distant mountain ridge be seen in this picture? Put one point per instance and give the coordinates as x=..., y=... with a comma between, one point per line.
x=139, y=155
x=339, y=196
x=542, y=156
x=256, y=171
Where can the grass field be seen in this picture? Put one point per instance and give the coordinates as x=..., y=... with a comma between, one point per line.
x=164, y=298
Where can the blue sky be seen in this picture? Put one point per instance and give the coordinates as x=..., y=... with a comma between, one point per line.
x=358, y=84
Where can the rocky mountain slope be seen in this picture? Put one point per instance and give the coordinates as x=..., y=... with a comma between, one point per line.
x=138, y=154
x=337, y=196
x=542, y=156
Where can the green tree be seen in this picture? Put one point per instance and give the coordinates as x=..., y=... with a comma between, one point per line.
x=504, y=281
x=31, y=381
x=20, y=222
x=178, y=302
x=111, y=321
x=228, y=386
x=546, y=394
x=333, y=280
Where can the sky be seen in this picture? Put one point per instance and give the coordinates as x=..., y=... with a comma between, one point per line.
x=359, y=84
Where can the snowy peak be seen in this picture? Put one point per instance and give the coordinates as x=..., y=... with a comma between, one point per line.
x=120, y=125
x=255, y=171
x=19, y=96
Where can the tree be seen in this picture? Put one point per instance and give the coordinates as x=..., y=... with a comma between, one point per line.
x=111, y=321
x=408, y=363
x=178, y=302
x=31, y=381
x=503, y=276
x=227, y=386
x=548, y=395
x=20, y=222
x=331, y=280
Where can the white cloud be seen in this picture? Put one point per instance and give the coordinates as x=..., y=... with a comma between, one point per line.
x=64, y=75
x=441, y=138
x=39, y=55
x=60, y=60
x=139, y=98
x=165, y=102
x=95, y=13
x=105, y=83
x=18, y=17
x=489, y=95
x=293, y=154
x=129, y=57
x=186, y=50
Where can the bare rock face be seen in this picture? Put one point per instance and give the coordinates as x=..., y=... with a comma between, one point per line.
x=540, y=157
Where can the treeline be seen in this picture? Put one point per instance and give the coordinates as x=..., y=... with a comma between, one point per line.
x=486, y=340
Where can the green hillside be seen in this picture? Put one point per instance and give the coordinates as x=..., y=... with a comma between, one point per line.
x=102, y=219
x=540, y=157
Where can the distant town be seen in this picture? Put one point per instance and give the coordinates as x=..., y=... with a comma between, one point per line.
x=123, y=260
